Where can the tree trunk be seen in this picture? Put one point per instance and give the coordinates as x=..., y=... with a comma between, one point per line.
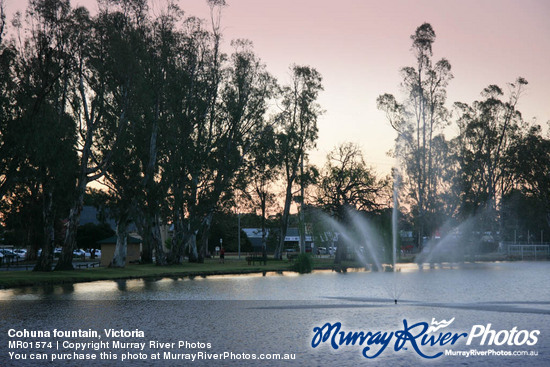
x=66, y=259
x=147, y=246
x=302, y=228
x=152, y=240
x=185, y=242
x=191, y=243
x=203, y=252
x=284, y=221
x=175, y=256
x=206, y=224
x=121, y=248
x=45, y=261
x=150, y=232
x=264, y=236
x=160, y=255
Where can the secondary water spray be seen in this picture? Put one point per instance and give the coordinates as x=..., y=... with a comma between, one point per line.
x=359, y=237
x=395, y=216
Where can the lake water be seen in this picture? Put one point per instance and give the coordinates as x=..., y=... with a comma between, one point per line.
x=256, y=316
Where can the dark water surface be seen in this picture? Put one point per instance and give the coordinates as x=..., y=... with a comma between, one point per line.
x=257, y=316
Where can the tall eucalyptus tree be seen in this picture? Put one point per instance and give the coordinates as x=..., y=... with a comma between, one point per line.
x=418, y=120
x=297, y=133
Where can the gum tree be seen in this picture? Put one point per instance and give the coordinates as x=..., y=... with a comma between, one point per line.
x=418, y=120
x=297, y=133
x=489, y=130
x=347, y=182
x=40, y=131
x=100, y=100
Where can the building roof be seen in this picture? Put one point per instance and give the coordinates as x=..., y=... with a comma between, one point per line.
x=90, y=215
x=292, y=234
x=254, y=232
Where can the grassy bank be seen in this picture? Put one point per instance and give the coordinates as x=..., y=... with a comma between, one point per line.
x=13, y=279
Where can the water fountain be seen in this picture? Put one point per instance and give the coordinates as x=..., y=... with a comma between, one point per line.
x=450, y=248
x=359, y=236
x=395, y=222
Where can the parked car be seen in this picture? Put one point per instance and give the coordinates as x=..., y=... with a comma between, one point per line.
x=21, y=253
x=8, y=255
x=7, y=252
x=79, y=253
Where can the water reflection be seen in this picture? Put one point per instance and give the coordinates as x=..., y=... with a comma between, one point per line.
x=447, y=283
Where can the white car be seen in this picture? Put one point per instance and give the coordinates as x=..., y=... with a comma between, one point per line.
x=21, y=253
x=8, y=255
x=7, y=252
x=79, y=253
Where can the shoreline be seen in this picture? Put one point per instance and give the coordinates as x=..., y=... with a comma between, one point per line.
x=28, y=278
x=10, y=279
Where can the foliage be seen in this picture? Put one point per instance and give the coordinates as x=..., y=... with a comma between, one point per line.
x=493, y=155
x=347, y=182
x=523, y=214
x=223, y=117
x=225, y=227
x=532, y=161
x=418, y=120
x=489, y=132
x=298, y=133
x=89, y=234
x=303, y=264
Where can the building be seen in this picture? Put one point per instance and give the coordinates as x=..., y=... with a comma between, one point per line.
x=292, y=240
x=108, y=249
x=254, y=235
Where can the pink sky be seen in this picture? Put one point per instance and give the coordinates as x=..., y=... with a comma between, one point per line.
x=360, y=45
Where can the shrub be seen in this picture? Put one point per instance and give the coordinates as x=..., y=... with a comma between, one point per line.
x=303, y=264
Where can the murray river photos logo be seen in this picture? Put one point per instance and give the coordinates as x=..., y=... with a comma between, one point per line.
x=421, y=337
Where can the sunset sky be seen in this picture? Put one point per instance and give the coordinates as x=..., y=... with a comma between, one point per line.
x=359, y=46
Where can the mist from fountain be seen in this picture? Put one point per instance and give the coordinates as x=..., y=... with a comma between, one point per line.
x=396, y=292
x=395, y=216
x=365, y=240
x=368, y=237
x=359, y=236
x=450, y=248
